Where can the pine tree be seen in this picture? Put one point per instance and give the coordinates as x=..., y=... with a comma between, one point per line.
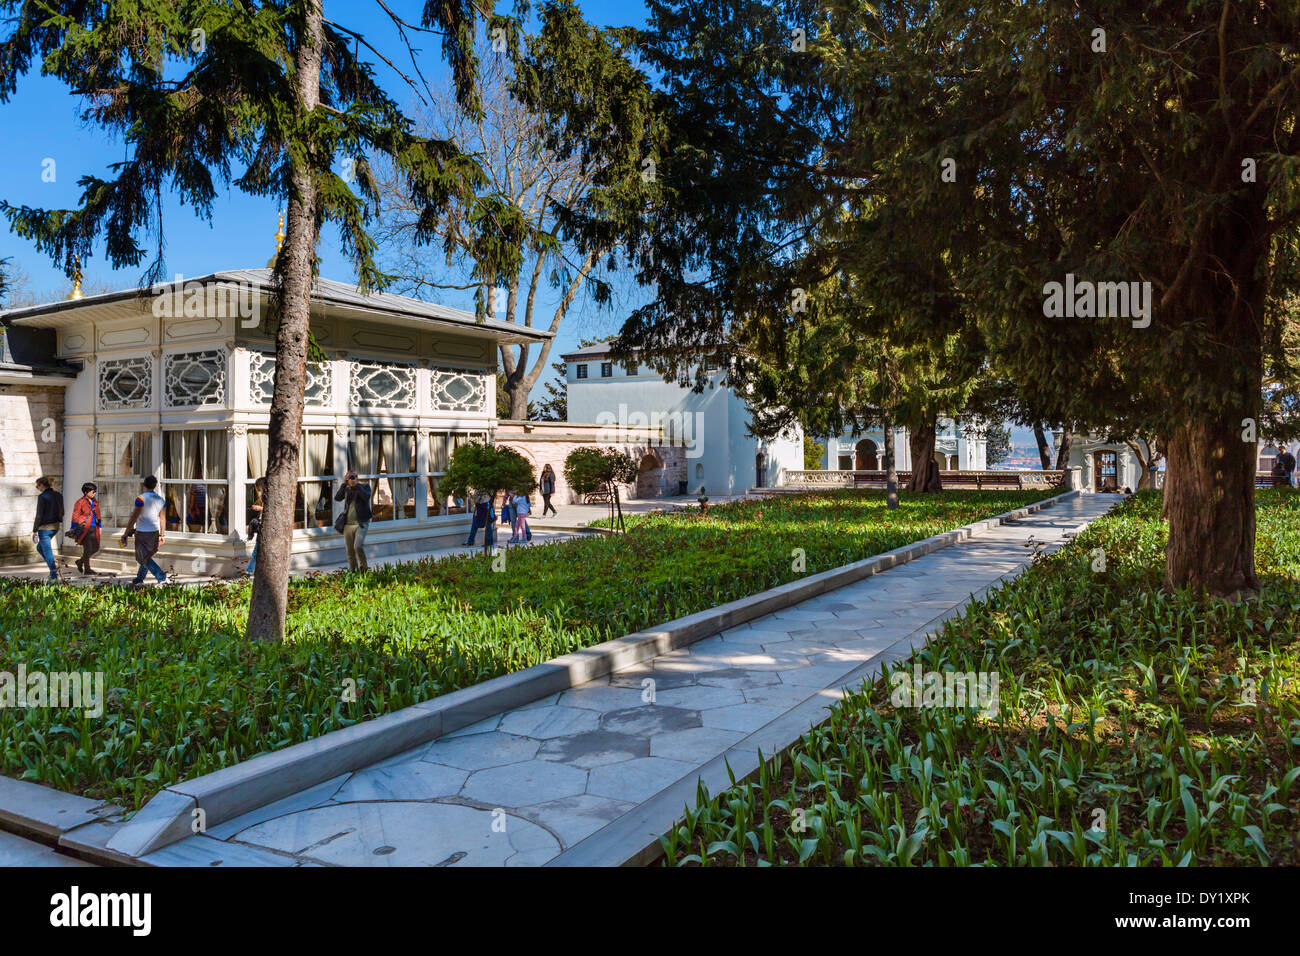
x=270, y=97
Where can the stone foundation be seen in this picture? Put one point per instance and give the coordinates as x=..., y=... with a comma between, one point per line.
x=31, y=445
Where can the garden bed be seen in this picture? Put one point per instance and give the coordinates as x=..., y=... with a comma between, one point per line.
x=187, y=694
x=1134, y=728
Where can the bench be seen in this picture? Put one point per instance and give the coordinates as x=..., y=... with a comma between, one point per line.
x=602, y=497
x=1271, y=481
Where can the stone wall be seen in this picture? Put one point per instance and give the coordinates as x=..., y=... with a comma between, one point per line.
x=663, y=466
x=31, y=445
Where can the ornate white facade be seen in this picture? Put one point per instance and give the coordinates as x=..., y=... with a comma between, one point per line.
x=187, y=398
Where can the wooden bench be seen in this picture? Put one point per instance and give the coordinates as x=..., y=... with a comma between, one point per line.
x=1271, y=481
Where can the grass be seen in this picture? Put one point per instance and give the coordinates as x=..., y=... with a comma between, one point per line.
x=187, y=694
x=1134, y=728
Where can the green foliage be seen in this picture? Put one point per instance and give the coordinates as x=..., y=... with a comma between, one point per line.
x=592, y=469
x=814, y=453
x=487, y=470
x=1172, y=722
x=199, y=111
x=998, y=445
x=188, y=694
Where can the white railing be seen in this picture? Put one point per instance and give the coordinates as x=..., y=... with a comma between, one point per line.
x=1041, y=478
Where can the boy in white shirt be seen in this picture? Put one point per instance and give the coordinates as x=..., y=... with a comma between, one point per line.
x=147, y=522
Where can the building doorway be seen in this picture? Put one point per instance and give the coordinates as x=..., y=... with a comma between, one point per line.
x=649, y=476
x=1105, y=471
x=867, y=458
x=760, y=470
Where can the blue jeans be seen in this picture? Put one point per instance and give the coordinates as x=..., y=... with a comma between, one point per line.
x=489, y=530
x=46, y=550
x=252, y=562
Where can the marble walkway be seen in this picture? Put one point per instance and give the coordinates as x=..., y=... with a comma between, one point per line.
x=525, y=786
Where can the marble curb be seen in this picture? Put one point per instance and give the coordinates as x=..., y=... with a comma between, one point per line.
x=52, y=817
x=245, y=786
x=633, y=839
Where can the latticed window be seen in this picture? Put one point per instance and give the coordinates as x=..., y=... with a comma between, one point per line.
x=261, y=381
x=458, y=390
x=195, y=379
x=125, y=383
x=382, y=386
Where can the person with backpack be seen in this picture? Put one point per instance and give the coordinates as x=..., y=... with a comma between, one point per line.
x=146, y=524
x=49, y=518
x=355, y=520
x=86, y=525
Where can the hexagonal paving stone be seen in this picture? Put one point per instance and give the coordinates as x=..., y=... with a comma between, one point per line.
x=480, y=751
x=648, y=720
x=576, y=818
x=744, y=717
x=774, y=660
x=700, y=697
x=405, y=834
x=595, y=749
x=784, y=696
x=698, y=744
x=636, y=780
x=601, y=697
x=635, y=677
x=520, y=784
x=546, y=722
x=413, y=780
x=739, y=678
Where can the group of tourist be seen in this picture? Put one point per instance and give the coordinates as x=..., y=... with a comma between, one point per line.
x=147, y=520
x=145, y=524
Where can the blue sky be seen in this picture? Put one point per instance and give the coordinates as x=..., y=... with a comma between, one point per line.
x=41, y=123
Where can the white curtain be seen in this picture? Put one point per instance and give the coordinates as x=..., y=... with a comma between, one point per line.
x=174, y=462
x=259, y=446
x=317, y=459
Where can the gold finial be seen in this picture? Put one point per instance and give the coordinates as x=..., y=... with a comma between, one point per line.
x=279, y=234
x=76, y=280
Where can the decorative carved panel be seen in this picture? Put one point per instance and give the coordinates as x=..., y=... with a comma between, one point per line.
x=375, y=385
x=194, y=379
x=125, y=383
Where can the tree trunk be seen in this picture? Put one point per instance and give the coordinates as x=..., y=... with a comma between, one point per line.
x=1063, y=453
x=1044, y=447
x=268, y=605
x=925, y=473
x=1210, y=476
x=891, y=468
x=619, y=505
x=1210, y=503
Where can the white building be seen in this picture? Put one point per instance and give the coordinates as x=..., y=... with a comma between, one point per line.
x=955, y=449
x=721, y=456
x=176, y=382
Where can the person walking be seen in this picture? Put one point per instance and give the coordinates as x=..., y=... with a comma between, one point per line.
x=86, y=525
x=520, y=509
x=484, y=518
x=355, y=519
x=146, y=524
x=49, y=518
x=255, y=523
x=1288, y=464
x=507, y=511
x=547, y=488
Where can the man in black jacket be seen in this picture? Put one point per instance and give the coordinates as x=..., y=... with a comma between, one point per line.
x=49, y=517
x=356, y=518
